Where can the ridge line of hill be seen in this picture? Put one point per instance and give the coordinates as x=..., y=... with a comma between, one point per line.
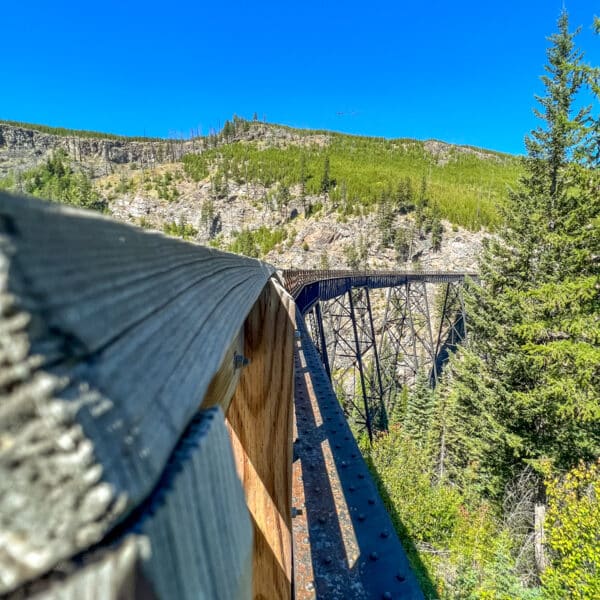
x=179, y=137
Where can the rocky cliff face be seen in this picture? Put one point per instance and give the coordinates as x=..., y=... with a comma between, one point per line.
x=319, y=241
x=126, y=173
x=23, y=149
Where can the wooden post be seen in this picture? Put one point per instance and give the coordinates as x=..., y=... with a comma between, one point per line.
x=539, y=540
x=260, y=421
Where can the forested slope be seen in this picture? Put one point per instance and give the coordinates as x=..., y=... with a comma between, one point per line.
x=294, y=197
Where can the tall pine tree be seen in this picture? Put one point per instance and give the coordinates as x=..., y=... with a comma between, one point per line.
x=419, y=408
x=527, y=388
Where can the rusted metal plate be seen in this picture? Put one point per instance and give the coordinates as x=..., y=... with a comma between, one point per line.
x=344, y=542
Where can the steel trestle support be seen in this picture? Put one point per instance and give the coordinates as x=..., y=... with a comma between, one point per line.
x=371, y=351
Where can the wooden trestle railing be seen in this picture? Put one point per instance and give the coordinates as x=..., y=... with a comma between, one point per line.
x=142, y=379
x=137, y=374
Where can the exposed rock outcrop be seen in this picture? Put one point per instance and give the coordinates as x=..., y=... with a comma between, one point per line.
x=322, y=239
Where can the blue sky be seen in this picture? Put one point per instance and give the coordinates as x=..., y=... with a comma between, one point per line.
x=464, y=71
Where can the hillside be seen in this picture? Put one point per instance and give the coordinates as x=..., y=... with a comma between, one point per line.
x=294, y=197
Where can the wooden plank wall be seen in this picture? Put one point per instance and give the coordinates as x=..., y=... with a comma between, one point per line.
x=109, y=340
x=260, y=421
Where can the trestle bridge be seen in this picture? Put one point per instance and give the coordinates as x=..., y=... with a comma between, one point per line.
x=179, y=422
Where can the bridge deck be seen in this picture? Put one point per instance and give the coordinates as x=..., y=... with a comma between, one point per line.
x=309, y=286
x=345, y=545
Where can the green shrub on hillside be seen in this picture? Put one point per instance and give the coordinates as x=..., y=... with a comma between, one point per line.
x=181, y=229
x=458, y=545
x=56, y=180
x=573, y=534
x=165, y=187
x=257, y=243
x=8, y=182
x=195, y=166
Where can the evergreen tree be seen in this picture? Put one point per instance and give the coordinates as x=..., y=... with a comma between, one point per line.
x=352, y=257
x=56, y=180
x=228, y=131
x=466, y=439
x=397, y=410
x=533, y=324
x=437, y=231
x=385, y=220
x=402, y=244
x=207, y=215
x=550, y=146
x=405, y=196
x=218, y=185
x=421, y=206
x=324, y=261
x=284, y=199
x=303, y=181
x=325, y=179
x=357, y=254
x=245, y=243
x=419, y=409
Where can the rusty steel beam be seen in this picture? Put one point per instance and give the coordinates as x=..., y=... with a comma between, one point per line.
x=345, y=545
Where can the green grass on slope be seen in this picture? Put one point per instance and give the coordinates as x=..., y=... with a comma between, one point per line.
x=465, y=187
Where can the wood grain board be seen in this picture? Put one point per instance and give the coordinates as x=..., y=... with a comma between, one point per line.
x=191, y=538
x=260, y=419
x=109, y=339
